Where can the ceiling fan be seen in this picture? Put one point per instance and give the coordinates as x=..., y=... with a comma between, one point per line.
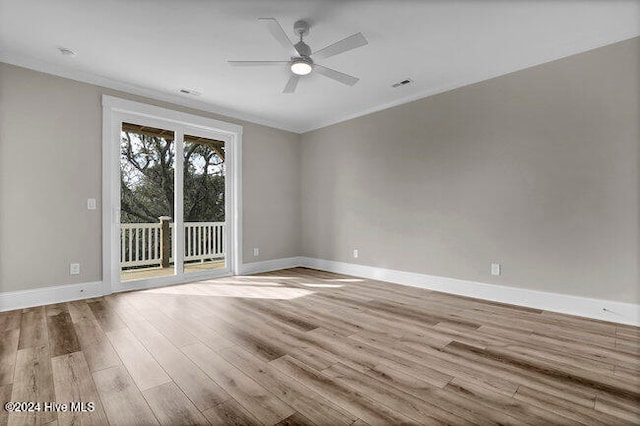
x=301, y=62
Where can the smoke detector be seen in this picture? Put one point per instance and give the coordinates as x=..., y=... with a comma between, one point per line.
x=66, y=51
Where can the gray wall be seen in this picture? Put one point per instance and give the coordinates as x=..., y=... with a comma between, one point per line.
x=536, y=170
x=50, y=163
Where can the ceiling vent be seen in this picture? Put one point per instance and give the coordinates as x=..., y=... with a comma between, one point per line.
x=402, y=83
x=189, y=92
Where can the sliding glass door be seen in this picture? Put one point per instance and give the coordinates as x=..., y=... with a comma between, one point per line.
x=173, y=200
x=147, y=206
x=204, y=206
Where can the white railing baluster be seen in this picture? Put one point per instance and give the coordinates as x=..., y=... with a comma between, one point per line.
x=199, y=240
x=195, y=242
x=187, y=250
x=210, y=240
x=144, y=244
x=136, y=246
x=140, y=243
x=129, y=258
x=217, y=239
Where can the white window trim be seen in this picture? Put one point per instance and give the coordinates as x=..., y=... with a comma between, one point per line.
x=114, y=110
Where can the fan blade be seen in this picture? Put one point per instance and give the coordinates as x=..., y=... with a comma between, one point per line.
x=278, y=33
x=349, y=43
x=255, y=63
x=336, y=75
x=291, y=84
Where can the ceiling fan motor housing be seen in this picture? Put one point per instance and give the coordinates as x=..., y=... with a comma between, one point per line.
x=303, y=49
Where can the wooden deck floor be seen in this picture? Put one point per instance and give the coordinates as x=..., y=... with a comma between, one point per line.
x=155, y=272
x=308, y=347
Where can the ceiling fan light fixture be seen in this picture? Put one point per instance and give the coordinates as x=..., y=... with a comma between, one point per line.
x=300, y=54
x=301, y=67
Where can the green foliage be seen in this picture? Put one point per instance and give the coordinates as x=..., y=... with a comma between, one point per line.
x=147, y=168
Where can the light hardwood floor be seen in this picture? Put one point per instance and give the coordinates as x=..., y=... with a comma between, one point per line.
x=308, y=347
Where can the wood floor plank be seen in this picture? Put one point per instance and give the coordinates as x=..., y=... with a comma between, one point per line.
x=498, y=408
x=201, y=389
x=230, y=413
x=97, y=349
x=144, y=369
x=296, y=419
x=314, y=357
x=10, y=320
x=73, y=383
x=33, y=328
x=562, y=408
x=528, y=345
x=80, y=311
x=5, y=396
x=242, y=334
x=107, y=318
x=60, y=330
x=252, y=396
x=521, y=375
x=419, y=378
x=8, y=353
x=567, y=374
x=303, y=399
x=355, y=402
x=287, y=317
x=620, y=408
x=423, y=356
x=122, y=401
x=205, y=334
x=172, y=407
x=174, y=332
x=425, y=411
x=33, y=382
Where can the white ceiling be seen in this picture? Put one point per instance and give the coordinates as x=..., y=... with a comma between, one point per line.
x=156, y=47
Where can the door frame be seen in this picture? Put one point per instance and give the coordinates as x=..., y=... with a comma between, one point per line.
x=114, y=112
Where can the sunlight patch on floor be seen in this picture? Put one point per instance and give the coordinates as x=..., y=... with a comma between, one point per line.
x=237, y=281
x=322, y=285
x=238, y=291
x=266, y=277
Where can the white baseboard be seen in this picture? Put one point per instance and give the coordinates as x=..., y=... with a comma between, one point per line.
x=624, y=313
x=48, y=295
x=269, y=265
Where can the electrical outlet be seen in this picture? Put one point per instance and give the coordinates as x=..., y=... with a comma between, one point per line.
x=256, y=252
x=91, y=203
x=355, y=253
x=495, y=269
x=74, y=269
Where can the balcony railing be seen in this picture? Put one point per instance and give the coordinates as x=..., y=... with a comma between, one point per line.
x=143, y=244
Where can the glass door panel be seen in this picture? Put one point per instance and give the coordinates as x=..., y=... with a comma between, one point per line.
x=147, y=172
x=204, y=186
